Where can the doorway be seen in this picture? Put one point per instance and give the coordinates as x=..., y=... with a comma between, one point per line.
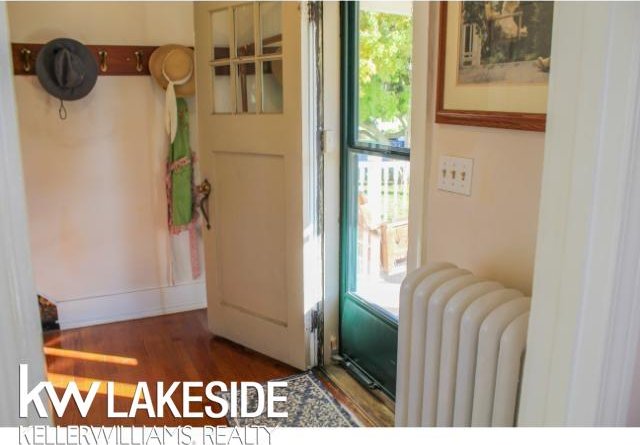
x=376, y=97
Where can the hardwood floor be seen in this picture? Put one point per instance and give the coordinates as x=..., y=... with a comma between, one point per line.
x=172, y=348
x=169, y=348
x=372, y=408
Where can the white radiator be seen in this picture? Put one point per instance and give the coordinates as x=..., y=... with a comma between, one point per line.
x=461, y=340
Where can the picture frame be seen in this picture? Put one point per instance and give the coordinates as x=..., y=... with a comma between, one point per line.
x=478, y=99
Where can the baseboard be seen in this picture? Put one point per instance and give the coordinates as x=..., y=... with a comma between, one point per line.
x=131, y=305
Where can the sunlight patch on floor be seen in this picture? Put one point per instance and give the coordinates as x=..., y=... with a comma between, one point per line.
x=91, y=356
x=61, y=381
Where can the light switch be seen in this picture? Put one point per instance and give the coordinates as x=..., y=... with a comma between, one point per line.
x=455, y=174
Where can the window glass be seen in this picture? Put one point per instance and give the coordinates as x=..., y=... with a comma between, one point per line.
x=220, y=34
x=382, y=188
x=271, y=27
x=272, y=86
x=246, y=72
x=384, y=73
x=243, y=19
x=223, y=98
x=246, y=88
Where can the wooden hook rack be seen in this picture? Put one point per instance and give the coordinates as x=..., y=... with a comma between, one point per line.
x=113, y=60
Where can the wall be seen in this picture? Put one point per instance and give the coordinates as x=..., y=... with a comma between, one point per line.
x=492, y=232
x=95, y=182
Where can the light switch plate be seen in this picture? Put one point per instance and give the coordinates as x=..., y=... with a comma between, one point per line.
x=455, y=174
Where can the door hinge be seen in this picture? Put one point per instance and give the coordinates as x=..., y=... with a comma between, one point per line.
x=314, y=10
x=314, y=320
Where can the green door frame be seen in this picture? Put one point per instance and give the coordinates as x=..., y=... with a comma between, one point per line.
x=368, y=333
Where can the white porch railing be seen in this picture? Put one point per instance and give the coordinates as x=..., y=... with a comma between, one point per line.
x=386, y=187
x=383, y=210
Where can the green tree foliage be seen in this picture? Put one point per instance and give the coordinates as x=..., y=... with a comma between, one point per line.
x=384, y=69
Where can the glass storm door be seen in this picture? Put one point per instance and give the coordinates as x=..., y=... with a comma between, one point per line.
x=376, y=101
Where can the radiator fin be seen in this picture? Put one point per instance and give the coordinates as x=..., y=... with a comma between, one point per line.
x=460, y=344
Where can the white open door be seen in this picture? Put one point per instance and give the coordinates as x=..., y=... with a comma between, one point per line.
x=248, y=68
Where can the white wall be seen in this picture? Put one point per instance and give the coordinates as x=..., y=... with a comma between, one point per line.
x=95, y=182
x=492, y=232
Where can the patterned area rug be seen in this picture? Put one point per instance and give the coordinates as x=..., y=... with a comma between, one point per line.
x=309, y=404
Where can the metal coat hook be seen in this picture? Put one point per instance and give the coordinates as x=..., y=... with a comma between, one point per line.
x=26, y=59
x=139, y=59
x=103, y=60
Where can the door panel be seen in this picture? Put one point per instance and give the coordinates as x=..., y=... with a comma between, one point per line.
x=245, y=271
x=254, y=162
x=369, y=340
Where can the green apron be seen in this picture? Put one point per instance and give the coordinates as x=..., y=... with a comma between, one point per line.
x=180, y=188
x=181, y=171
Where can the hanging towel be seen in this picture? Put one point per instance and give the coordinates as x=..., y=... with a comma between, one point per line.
x=180, y=187
x=170, y=109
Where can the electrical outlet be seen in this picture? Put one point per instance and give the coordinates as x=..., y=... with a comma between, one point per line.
x=454, y=174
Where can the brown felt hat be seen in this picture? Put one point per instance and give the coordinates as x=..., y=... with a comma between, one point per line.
x=174, y=62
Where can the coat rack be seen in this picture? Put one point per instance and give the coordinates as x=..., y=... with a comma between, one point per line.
x=113, y=60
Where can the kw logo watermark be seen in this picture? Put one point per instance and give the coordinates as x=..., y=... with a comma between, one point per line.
x=161, y=401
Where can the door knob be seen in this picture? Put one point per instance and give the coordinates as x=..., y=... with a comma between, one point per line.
x=204, y=190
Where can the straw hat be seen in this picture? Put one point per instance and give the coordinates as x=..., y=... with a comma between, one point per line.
x=175, y=63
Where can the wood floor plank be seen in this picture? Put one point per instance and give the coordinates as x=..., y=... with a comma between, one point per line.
x=177, y=347
x=373, y=408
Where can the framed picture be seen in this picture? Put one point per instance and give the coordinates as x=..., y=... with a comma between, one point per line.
x=493, y=63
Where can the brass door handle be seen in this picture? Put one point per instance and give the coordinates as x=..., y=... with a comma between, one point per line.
x=204, y=190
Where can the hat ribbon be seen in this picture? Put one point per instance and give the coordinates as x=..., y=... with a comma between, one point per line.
x=170, y=106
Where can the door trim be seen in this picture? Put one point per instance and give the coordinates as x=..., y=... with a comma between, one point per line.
x=20, y=330
x=331, y=176
x=585, y=313
x=313, y=178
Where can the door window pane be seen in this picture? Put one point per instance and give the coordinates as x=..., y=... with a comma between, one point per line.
x=222, y=97
x=245, y=46
x=272, y=86
x=243, y=49
x=384, y=73
x=271, y=27
x=246, y=88
x=381, y=186
x=221, y=34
